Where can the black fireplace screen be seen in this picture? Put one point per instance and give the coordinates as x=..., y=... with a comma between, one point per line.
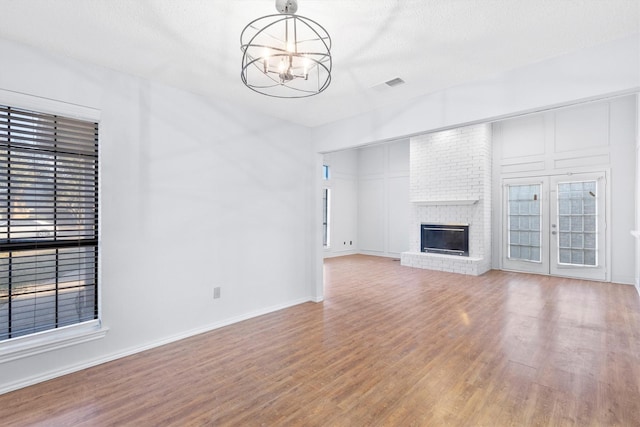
x=452, y=239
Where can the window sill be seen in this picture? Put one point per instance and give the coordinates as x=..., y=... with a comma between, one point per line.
x=29, y=345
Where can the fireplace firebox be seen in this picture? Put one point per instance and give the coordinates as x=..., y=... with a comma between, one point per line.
x=451, y=239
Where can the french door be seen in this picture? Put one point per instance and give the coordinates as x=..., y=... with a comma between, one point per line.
x=556, y=225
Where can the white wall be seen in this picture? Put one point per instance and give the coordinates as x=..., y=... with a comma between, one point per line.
x=343, y=187
x=194, y=194
x=622, y=122
x=593, y=137
x=600, y=71
x=383, y=199
x=637, y=196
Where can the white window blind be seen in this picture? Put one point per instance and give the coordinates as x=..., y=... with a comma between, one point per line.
x=48, y=222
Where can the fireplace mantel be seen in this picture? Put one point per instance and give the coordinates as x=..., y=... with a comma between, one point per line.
x=448, y=202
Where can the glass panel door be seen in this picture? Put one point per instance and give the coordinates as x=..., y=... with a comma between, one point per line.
x=578, y=226
x=524, y=238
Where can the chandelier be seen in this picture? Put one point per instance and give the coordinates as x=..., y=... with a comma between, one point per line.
x=285, y=55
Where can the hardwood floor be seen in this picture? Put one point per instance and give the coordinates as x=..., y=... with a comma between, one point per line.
x=390, y=345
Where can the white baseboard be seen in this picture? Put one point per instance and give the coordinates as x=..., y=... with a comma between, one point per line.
x=329, y=254
x=381, y=254
x=625, y=280
x=5, y=388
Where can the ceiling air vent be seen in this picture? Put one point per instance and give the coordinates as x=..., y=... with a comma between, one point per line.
x=394, y=82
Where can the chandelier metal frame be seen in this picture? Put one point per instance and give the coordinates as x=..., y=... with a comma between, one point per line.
x=286, y=55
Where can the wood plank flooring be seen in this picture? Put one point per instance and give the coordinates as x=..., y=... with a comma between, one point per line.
x=389, y=346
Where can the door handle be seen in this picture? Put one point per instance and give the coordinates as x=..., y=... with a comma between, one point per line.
x=554, y=232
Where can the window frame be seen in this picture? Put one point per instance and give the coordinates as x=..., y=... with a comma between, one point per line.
x=52, y=339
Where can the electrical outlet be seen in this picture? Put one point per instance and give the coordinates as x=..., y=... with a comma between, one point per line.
x=216, y=292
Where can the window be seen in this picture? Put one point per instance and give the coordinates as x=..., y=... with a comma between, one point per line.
x=325, y=217
x=325, y=208
x=48, y=222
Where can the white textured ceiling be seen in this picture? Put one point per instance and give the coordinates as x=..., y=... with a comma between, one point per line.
x=431, y=44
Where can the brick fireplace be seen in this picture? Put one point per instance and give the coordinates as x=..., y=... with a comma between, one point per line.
x=450, y=183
